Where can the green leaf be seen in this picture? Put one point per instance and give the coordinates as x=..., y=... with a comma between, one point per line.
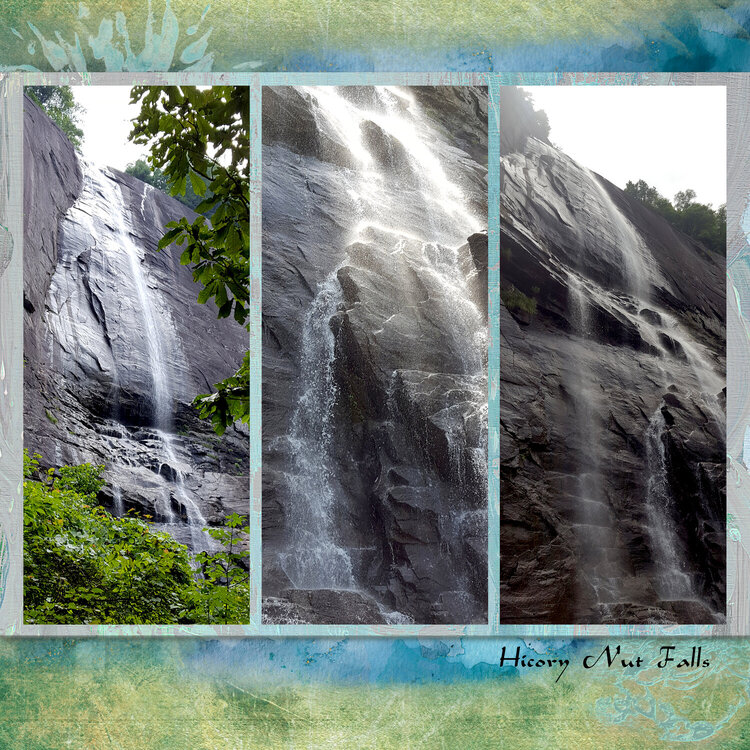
x=199, y=187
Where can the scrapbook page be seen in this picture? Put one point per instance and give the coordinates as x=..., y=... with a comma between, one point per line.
x=359, y=385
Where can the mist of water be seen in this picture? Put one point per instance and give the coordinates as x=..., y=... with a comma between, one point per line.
x=102, y=212
x=425, y=232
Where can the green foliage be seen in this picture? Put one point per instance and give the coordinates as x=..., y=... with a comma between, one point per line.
x=199, y=139
x=514, y=299
x=85, y=480
x=142, y=171
x=644, y=192
x=60, y=106
x=698, y=220
x=541, y=123
x=683, y=199
x=30, y=465
x=231, y=401
x=81, y=565
x=223, y=594
x=84, y=566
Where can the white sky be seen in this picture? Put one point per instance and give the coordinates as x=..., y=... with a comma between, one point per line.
x=106, y=125
x=673, y=137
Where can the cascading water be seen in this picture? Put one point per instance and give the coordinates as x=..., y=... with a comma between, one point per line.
x=639, y=267
x=101, y=196
x=671, y=580
x=317, y=560
x=160, y=373
x=119, y=506
x=392, y=148
x=595, y=524
x=655, y=325
x=199, y=540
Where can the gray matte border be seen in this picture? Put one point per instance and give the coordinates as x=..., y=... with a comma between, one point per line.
x=11, y=613
x=11, y=345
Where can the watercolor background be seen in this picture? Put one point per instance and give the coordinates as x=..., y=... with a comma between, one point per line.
x=414, y=692
x=390, y=35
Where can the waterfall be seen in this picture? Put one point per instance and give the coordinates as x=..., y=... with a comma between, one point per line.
x=147, y=190
x=601, y=565
x=160, y=374
x=196, y=520
x=119, y=506
x=102, y=212
x=673, y=583
x=611, y=462
x=316, y=560
x=653, y=323
x=154, y=335
x=440, y=200
x=639, y=267
x=668, y=553
x=463, y=320
x=393, y=155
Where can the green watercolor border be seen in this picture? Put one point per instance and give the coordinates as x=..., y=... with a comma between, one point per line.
x=413, y=35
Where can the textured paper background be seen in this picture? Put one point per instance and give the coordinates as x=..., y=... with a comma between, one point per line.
x=376, y=692
x=397, y=35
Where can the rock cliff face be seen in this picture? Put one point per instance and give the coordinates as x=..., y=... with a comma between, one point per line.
x=116, y=346
x=374, y=360
x=612, y=403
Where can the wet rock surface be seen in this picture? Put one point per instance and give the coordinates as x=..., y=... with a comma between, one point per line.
x=89, y=352
x=369, y=284
x=612, y=404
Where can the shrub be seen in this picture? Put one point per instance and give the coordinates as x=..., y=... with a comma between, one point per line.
x=84, y=566
x=515, y=299
x=223, y=594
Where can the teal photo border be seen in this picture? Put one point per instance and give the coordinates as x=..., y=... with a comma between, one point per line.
x=11, y=343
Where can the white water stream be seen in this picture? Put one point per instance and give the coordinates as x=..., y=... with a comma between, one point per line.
x=102, y=211
x=426, y=232
x=656, y=326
